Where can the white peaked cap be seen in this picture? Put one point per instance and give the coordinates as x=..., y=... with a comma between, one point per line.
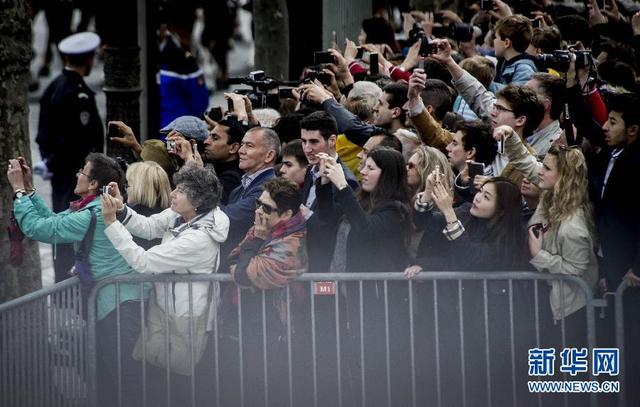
x=80, y=43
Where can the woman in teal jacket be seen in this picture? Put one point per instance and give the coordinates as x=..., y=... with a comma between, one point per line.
x=40, y=223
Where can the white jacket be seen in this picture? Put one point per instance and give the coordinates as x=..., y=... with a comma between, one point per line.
x=187, y=248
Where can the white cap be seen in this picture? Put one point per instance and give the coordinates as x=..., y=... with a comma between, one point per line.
x=80, y=43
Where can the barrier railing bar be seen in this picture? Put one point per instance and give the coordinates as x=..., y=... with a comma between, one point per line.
x=338, y=356
x=437, y=341
x=289, y=350
x=265, y=370
x=313, y=345
x=486, y=339
x=620, y=340
x=412, y=346
x=387, y=343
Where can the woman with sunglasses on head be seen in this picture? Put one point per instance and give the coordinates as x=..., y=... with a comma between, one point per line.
x=422, y=163
x=561, y=231
x=373, y=238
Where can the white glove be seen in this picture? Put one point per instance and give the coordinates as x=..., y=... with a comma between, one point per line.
x=42, y=170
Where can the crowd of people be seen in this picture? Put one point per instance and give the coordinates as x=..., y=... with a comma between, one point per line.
x=505, y=140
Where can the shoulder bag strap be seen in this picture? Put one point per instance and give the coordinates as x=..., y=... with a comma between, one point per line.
x=88, y=238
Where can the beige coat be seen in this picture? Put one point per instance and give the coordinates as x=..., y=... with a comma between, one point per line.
x=569, y=249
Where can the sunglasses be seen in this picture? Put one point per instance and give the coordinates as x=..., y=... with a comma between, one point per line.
x=568, y=148
x=268, y=210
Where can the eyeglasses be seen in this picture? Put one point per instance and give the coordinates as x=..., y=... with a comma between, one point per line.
x=80, y=172
x=501, y=109
x=268, y=210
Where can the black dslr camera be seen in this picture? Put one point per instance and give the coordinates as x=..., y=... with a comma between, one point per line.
x=426, y=47
x=264, y=92
x=583, y=59
x=457, y=31
x=559, y=61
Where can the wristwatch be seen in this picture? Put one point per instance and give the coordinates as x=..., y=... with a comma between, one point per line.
x=19, y=194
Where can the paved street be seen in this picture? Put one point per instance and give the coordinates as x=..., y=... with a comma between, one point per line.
x=240, y=63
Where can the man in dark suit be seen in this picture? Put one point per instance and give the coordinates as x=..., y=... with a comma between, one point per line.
x=319, y=132
x=614, y=173
x=258, y=152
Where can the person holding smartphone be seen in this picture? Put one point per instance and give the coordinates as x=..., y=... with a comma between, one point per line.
x=565, y=211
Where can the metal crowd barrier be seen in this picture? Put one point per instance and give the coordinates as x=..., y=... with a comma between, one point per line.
x=43, y=348
x=48, y=353
x=360, y=391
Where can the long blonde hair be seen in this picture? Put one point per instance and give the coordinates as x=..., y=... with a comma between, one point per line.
x=149, y=185
x=571, y=191
x=428, y=158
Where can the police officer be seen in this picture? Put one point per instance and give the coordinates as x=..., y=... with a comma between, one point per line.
x=69, y=129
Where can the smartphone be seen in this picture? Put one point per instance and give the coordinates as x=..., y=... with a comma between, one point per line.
x=373, y=64
x=322, y=57
x=538, y=228
x=360, y=53
x=229, y=106
x=286, y=93
x=113, y=130
x=474, y=169
x=486, y=5
x=535, y=23
x=427, y=48
x=215, y=113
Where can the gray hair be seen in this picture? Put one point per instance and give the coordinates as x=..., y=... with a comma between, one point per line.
x=270, y=139
x=267, y=117
x=201, y=186
x=368, y=91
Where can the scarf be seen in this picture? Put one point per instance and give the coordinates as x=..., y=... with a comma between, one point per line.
x=81, y=203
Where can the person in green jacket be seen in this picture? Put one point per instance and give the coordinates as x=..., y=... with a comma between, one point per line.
x=38, y=222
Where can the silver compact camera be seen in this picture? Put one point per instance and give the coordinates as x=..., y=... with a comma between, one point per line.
x=105, y=189
x=171, y=146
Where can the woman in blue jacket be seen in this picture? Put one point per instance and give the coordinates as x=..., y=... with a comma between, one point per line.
x=40, y=223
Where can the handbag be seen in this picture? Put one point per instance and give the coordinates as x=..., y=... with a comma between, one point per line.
x=180, y=351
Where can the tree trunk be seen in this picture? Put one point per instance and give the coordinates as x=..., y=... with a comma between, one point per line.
x=271, y=23
x=121, y=68
x=15, y=57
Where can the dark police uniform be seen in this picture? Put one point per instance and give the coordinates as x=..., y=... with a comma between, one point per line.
x=68, y=130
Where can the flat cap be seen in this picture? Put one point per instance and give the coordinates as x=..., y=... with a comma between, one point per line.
x=80, y=43
x=189, y=127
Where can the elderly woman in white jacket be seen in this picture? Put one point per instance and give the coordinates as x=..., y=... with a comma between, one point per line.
x=192, y=230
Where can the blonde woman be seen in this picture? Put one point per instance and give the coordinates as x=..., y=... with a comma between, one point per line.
x=561, y=231
x=148, y=190
x=422, y=163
